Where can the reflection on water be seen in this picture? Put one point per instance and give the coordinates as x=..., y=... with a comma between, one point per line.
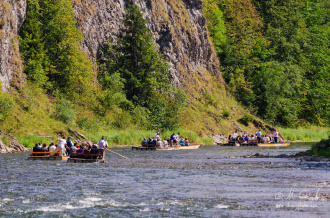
x=167, y=183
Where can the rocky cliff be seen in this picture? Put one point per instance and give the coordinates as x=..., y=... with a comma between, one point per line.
x=12, y=14
x=179, y=28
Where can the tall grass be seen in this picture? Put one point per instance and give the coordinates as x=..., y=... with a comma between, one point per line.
x=29, y=141
x=305, y=134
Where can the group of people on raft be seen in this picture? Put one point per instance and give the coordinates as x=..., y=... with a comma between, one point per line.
x=257, y=138
x=173, y=140
x=67, y=147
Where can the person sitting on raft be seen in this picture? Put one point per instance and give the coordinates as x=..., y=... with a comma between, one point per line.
x=36, y=148
x=264, y=138
x=144, y=143
x=240, y=138
x=181, y=141
x=94, y=150
x=165, y=143
x=44, y=148
x=51, y=147
x=150, y=142
x=186, y=141
x=246, y=138
x=159, y=143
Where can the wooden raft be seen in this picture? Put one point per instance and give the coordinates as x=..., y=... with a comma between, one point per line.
x=45, y=156
x=166, y=149
x=85, y=158
x=284, y=144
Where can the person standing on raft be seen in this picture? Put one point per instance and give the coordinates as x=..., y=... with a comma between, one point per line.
x=103, y=144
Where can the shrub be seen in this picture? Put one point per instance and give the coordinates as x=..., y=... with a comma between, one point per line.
x=64, y=111
x=226, y=113
x=6, y=105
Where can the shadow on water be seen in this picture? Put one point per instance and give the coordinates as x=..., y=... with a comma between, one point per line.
x=199, y=182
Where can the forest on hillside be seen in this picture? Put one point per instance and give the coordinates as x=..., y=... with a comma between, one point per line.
x=274, y=57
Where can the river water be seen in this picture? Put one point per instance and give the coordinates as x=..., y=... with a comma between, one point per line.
x=203, y=182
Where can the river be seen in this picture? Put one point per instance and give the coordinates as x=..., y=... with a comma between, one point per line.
x=201, y=182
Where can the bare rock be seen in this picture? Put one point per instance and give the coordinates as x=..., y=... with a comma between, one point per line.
x=218, y=138
x=12, y=15
x=13, y=147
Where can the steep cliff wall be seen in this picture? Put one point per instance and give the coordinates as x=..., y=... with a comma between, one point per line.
x=12, y=14
x=179, y=28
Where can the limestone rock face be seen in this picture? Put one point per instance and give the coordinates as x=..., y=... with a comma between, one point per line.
x=13, y=146
x=178, y=27
x=12, y=15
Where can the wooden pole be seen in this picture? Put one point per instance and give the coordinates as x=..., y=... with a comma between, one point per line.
x=118, y=154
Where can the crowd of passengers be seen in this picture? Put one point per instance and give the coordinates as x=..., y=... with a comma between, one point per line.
x=257, y=138
x=67, y=147
x=173, y=140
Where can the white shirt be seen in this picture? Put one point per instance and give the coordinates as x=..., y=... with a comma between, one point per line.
x=235, y=135
x=259, y=134
x=62, y=143
x=156, y=137
x=52, y=148
x=159, y=144
x=165, y=143
x=275, y=134
x=102, y=144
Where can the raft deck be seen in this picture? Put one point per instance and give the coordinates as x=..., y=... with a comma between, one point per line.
x=166, y=149
x=285, y=144
x=45, y=156
x=85, y=158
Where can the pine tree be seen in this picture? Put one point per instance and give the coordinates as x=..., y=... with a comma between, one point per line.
x=32, y=45
x=135, y=57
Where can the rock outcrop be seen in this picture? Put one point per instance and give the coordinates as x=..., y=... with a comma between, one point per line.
x=178, y=27
x=12, y=15
x=13, y=145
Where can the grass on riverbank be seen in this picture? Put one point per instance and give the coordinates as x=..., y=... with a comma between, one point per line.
x=131, y=136
x=312, y=133
x=321, y=149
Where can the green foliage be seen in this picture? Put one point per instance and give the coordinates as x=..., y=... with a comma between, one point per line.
x=6, y=105
x=226, y=113
x=276, y=57
x=247, y=118
x=50, y=45
x=30, y=140
x=322, y=148
x=306, y=134
x=136, y=77
x=32, y=45
x=64, y=111
x=215, y=23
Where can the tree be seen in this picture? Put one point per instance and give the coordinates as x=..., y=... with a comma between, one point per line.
x=50, y=43
x=32, y=45
x=142, y=69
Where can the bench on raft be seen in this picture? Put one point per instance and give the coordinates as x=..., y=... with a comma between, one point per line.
x=43, y=153
x=46, y=156
x=250, y=141
x=83, y=156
